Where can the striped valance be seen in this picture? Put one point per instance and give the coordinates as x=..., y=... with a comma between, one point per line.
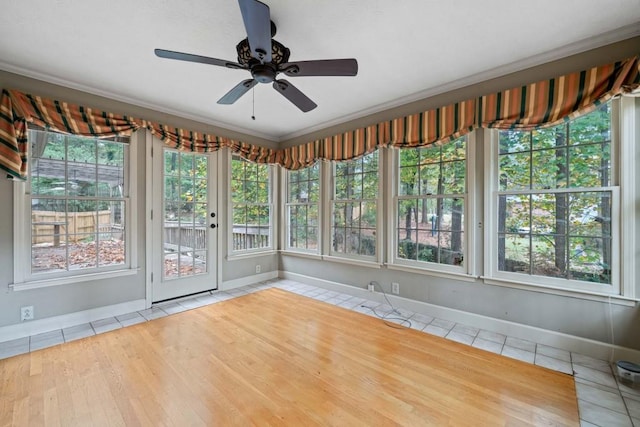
x=437, y=125
x=17, y=109
x=538, y=104
x=343, y=146
x=549, y=102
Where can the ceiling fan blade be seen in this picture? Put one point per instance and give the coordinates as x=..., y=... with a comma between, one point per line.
x=240, y=89
x=169, y=54
x=294, y=95
x=323, y=67
x=257, y=22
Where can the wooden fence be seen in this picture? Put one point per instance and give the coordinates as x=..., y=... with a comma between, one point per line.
x=56, y=227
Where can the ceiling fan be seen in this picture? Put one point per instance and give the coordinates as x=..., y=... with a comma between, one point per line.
x=265, y=58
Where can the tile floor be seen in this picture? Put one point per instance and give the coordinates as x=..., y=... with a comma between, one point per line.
x=602, y=399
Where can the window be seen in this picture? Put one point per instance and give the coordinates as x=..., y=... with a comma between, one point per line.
x=302, y=205
x=252, y=206
x=355, y=207
x=555, y=203
x=76, y=199
x=430, y=205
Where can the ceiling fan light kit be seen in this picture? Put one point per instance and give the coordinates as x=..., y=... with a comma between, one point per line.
x=265, y=58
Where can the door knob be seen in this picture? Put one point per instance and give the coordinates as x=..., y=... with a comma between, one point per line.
x=213, y=225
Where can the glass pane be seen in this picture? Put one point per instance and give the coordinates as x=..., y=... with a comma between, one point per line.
x=314, y=191
x=427, y=247
x=544, y=208
x=171, y=165
x=111, y=153
x=453, y=177
x=48, y=259
x=368, y=241
x=455, y=150
x=590, y=214
x=186, y=165
x=82, y=251
x=517, y=254
x=339, y=214
x=514, y=141
x=370, y=185
x=171, y=188
x=590, y=259
x=430, y=179
x=408, y=183
x=201, y=213
x=592, y=127
x=409, y=157
x=432, y=154
x=513, y=214
x=49, y=145
x=81, y=150
x=250, y=191
x=549, y=169
x=339, y=240
x=202, y=167
x=590, y=165
x=515, y=171
x=171, y=265
x=544, y=256
x=111, y=250
x=262, y=192
x=352, y=242
x=407, y=243
x=201, y=190
x=548, y=138
x=368, y=217
x=407, y=211
x=186, y=264
x=312, y=238
x=370, y=162
x=352, y=214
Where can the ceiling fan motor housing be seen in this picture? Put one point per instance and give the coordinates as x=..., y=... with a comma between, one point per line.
x=264, y=73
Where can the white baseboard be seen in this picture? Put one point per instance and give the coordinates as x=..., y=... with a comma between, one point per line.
x=248, y=280
x=597, y=349
x=48, y=324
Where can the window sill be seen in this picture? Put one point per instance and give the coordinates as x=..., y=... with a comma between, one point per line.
x=352, y=261
x=572, y=293
x=302, y=254
x=244, y=255
x=36, y=284
x=437, y=273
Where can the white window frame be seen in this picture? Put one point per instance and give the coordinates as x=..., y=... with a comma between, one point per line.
x=465, y=271
x=493, y=275
x=24, y=279
x=233, y=253
x=322, y=180
x=329, y=214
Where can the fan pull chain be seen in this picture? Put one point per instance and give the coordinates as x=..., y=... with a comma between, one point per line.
x=253, y=111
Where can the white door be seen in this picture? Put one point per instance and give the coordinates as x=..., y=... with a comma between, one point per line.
x=184, y=223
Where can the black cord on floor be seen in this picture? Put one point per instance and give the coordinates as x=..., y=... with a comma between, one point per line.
x=386, y=316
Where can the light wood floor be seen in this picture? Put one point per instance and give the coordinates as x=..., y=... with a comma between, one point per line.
x=276, y=358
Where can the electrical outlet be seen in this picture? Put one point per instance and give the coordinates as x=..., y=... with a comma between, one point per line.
x=258, y=268
x=26, y=313
x=395, y=288
x=371, y=287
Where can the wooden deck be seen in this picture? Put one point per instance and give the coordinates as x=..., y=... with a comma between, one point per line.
x=276, y=358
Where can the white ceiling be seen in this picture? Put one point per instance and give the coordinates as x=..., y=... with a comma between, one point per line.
x=406, y=50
